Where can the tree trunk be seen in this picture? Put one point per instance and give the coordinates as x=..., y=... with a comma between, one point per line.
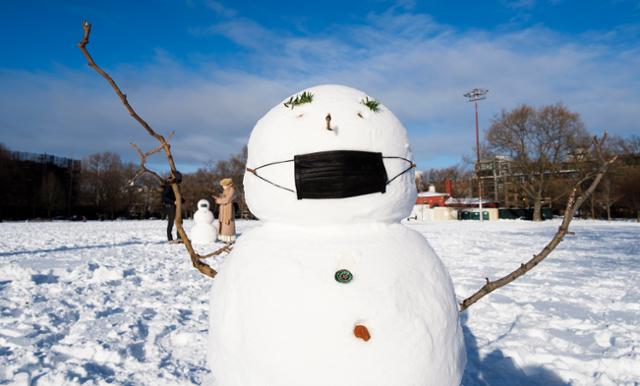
x=506, y=192
x=537, y=207
x=496, y=198
x=607, y=198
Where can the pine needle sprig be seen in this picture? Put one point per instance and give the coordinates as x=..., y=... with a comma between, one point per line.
x=372, y=104
x=305, y=97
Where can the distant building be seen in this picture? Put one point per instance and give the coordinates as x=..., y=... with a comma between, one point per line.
x=431, y=197
x=432, y=205
x=502, y=182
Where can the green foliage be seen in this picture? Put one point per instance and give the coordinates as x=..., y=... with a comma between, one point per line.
x=372, y=104
x=305, y=97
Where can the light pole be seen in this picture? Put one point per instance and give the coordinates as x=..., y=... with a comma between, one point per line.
x=475, y=95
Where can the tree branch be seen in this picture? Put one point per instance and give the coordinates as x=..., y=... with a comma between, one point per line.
x=226, y=248
x=164, y=145
x=573, y=204
x=143, y=159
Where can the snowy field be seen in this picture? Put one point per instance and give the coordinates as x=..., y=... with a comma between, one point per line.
x=113, y=303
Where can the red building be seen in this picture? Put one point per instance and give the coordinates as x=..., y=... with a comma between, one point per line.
x=431, y=198
x=435, y=199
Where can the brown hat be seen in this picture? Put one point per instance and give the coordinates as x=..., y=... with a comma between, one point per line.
x=226, y=182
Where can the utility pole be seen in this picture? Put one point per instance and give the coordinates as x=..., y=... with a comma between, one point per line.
x=475, y=95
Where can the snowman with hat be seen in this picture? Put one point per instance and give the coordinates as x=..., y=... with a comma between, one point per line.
x=203, y=231
x=330, y=289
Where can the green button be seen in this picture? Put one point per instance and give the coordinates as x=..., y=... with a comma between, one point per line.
x=343, y=276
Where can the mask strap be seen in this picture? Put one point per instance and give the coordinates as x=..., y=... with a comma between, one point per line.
x=255, y=173
x=411, y=166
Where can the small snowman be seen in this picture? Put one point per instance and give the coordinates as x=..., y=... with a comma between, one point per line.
x=330, y=289
x=203, y=232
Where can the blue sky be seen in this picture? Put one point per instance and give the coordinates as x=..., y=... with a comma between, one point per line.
x=210, y=69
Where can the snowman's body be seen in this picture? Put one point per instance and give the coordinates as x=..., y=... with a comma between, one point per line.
x=203, y=231
x=279, y=316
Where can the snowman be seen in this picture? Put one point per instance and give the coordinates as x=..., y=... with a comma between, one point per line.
x=203, y=232
x=330, y=289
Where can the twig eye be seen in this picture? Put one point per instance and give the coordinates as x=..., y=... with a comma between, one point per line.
x=305, y=97
x=372, y=104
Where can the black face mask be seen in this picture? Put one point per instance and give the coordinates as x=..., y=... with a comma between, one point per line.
x=337, y=174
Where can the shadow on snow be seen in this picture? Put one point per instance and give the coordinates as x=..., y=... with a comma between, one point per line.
x=495, y=369
x=77, y=248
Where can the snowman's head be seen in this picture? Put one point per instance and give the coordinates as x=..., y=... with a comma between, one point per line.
x=203, y=205
x=329, y=154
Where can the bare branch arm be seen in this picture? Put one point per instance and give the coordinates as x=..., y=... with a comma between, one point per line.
x=123, y=97
x=164, y=145
x=573, y=204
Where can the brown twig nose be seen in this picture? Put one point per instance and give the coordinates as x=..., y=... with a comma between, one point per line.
x=328, y=119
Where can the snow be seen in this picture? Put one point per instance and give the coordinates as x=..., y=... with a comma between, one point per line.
x=99, y=302
x=431, y=194
x=573, y=320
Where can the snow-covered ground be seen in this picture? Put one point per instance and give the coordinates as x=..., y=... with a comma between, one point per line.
x=113, y=303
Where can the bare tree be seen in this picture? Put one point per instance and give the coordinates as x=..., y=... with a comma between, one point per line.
x=616, y=194
x=103, y=183
x=196, y=186
x=607, y=194
x=539, y=142
x=204, y=183
x=51, y=193
x=628, y=183
x=459, y=175
x=577, y=197
x=631, y=145
x=630, y=190
x=5, y=153
x=421, y=184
